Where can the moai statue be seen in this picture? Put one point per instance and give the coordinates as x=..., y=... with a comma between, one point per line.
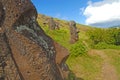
x=26, y=52
x=73, y=32
x=57, y=26
x=51, y=24
x=61, y=57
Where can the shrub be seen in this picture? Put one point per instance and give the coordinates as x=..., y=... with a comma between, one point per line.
x=78, y=48
x=71, y=76
x=103, y=45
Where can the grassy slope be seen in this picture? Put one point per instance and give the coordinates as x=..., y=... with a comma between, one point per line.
x=114, y=55
x=84, y=66
x=63, y=35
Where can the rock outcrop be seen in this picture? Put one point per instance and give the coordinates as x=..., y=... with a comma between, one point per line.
x=26, y=52
x=73, y=32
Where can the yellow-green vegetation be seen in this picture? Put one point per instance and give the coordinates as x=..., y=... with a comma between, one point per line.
x=85, y=64
x=105, y=38
x=62, y=35
x=114, y=55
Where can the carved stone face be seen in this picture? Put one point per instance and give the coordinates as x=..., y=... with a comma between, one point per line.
x=33, y=52
x=73, y=31
x=72, y=24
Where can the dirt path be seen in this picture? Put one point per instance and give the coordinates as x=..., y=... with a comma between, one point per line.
x=108, y=71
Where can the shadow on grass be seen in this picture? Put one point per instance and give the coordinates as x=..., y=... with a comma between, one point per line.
x=72, y=76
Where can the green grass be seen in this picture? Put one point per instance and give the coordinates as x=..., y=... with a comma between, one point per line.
x=61, y=36
x=104, y=45
x=114, y=55
x=85, y=66
x=78, y=48
x=82, y=65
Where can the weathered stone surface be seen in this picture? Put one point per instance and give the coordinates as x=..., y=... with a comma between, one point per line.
x=57, y=25
x=8, y=67
x=26, y=52
x=52, y=24
x=2, y=14
x=61, y=56
x=73, y=31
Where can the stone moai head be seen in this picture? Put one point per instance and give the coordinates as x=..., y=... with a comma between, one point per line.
x=51, y=24
x=73, y=32
x=32, y=51
x=72, y=24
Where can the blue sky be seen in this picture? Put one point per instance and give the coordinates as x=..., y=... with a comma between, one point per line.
x=81, y=11
x=64, y=9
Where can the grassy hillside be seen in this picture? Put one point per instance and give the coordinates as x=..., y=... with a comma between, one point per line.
x=63, y=35
x=89, y=64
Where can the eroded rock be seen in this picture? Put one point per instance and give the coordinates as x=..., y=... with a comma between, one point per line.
x=27, y=53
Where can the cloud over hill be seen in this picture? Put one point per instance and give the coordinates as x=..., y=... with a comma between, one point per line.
x=103, y=13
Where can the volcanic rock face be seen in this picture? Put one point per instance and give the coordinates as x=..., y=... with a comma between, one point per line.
x=26, y=52
x=73, y=32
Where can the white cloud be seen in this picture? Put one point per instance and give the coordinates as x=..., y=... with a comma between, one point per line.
x=103, y=12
